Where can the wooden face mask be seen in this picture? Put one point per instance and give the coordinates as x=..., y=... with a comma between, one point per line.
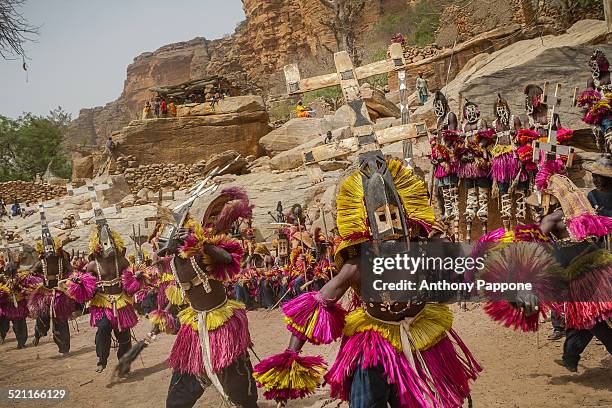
x=383, y=206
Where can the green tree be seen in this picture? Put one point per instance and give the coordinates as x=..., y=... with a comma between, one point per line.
x=29, y=143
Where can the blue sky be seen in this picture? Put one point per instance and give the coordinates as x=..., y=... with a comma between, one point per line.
x=85, y=46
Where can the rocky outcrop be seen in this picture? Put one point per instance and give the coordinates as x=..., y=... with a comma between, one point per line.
x=298, y=131
x=558, y=59
x=465, y=21
x=189, y=139
x=447, y=63
x=273, y=34
x=293, y=134
x=237, y=104
x=378, y=105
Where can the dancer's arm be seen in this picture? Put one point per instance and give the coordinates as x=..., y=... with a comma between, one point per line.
x=218, y=255
x=332, y=292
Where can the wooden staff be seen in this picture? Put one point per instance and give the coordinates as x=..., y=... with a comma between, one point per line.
x=331, y=273
x=302, y=247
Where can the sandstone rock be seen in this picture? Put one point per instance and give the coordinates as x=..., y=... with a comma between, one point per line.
x=226, y=178
x=127, y=202
x=344, y=115
x=82, y=167
x=295, y=132
x=260, y=161
x=222, y=159
x=528, y=61
x=383, y=123
x=342, y=133
x=118, y=191
x=332, y=165
x=143, y=193
x=141, y=201
x=235, y=104
x=292, y=159
x=191, y=139
x=377, y=104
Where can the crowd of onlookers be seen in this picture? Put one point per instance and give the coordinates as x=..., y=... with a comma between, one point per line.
x=159, y=107
x=16, y=210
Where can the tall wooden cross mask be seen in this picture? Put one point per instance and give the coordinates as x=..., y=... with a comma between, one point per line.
x=550, y=146
x=97, y=212
x=364, y=137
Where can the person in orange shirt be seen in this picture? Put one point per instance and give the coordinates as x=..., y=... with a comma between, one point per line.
x=172, y=108
x=302, y=111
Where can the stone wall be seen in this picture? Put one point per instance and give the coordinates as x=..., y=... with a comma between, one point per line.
x=162, y=176
x=172, y=176
x=29, y=192
x=436, y=68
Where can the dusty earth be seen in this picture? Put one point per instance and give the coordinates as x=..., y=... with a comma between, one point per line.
x=519, y=369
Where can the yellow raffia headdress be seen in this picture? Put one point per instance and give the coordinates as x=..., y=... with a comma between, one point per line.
x=57, y=245
x=94, y=241
x=352, y=217
x=145, y=257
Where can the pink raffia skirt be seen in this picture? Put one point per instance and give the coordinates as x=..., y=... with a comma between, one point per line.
x=596, y=287
x=11, y=312
x=371, y=346
x=118, y=309
x=228, y=333
x=472, y=170
x=40, y=301
x=505, y=167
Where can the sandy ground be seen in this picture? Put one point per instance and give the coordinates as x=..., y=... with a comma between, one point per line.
x=519, y=369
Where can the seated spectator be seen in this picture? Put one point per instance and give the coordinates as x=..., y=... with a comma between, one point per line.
x=303, y=111
x=15, y=209
x=328, y=137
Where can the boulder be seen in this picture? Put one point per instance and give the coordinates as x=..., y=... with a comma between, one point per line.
x=191, y=139
x=222, y=159
x=555, y=58
x=260, y=164
x=82, y=167
x=298, y=131
x=332, y=165
x=292, y=159
x=344, y=114
x=127, y=202
x=295, y=132
x=235, y=104
x=377, y=104
x=144, y=193
x=118, y=191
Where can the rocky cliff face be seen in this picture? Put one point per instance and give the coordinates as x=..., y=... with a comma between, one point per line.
x=237, y=123
x=274, y=33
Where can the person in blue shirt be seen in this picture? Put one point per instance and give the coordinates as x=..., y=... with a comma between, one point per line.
x=15, y=209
